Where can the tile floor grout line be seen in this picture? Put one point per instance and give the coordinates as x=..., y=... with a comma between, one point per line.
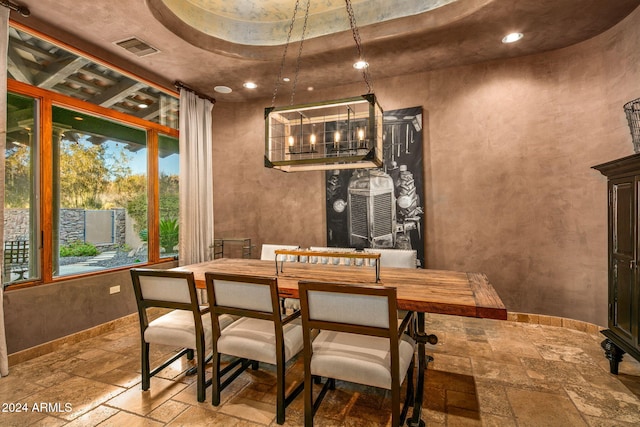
x=486, y=355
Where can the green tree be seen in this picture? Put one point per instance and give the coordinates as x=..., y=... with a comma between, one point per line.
x=130, y=192
x=169, y=196
x=125, y=188
x=84, y=174
x=17, y=177
x=137, y=209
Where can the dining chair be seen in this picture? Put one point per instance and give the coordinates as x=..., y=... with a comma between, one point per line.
x=332, y=260
x=294, y=303
x=359, y=341
x=261, y=334
x=401, y=258
x=398, y=258
x=187, y=325
x=268, y=253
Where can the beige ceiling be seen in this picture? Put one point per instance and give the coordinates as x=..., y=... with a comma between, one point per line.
x=219, y=45
x=267, y=23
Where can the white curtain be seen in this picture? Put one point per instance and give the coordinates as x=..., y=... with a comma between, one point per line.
x=4, y=40
x=196, y=179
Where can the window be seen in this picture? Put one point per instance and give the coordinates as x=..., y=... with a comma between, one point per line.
x=21, y=225
x=100, y=206
x=39, y=62
x=91, y=182
x=168, y=170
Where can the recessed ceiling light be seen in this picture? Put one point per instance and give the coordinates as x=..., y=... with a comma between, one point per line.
x=250, y=85
x=310, y=88
x=222, y=89
x=141, y=105
x=360, y=65
x=286, y=79
x=513, y=37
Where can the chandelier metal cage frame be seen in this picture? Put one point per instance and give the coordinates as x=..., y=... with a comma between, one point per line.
x=338, y=134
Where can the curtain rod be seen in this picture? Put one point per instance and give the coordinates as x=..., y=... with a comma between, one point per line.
x=178, y=84
x=22, y=10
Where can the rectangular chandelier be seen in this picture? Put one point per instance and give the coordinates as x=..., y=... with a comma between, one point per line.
x=341, y=134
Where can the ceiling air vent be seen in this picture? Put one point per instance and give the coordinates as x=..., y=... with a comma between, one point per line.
x=137, y=46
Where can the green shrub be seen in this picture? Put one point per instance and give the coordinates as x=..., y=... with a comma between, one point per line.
x=78, y=248
x=169, y=232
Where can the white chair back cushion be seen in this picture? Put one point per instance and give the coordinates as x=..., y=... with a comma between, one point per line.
x=269, y=252
x=365, y=310
x=357, y=358
x=248, y=296
x=172, y=289
x=400, y=258
x=331, y=260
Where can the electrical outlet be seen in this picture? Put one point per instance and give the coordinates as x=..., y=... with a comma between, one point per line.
x=114, y=289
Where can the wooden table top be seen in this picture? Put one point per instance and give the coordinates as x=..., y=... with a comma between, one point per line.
x=423, y=290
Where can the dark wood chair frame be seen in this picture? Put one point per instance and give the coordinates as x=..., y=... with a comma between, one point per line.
x=282, y=400
x=193, y=306
x=393, y=333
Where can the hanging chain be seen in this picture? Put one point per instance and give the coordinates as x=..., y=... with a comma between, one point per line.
x=284, y=55
x=304, y=30
x=356, y=38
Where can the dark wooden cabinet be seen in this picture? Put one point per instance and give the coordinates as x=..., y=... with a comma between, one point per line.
x=624, y=255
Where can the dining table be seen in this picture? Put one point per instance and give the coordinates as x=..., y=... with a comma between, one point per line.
x=419, y=290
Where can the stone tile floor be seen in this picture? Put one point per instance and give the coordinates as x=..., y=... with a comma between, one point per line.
x=485, y=373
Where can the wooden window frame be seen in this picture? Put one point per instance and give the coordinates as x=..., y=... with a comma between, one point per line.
x=46, y=100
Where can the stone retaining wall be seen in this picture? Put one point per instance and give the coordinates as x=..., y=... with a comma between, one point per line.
x=72, y=226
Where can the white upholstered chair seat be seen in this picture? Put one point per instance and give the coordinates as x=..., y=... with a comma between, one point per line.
x=357, y=358
x=176, y=328
x=360, y=341
x=292, y=304
x=255, y=339
x=187, y=326
x=261, y=334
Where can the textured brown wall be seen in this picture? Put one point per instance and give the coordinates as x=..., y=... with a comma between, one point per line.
x=512, y=193
x=508, y=148
x=44, y=313
x=267, y=205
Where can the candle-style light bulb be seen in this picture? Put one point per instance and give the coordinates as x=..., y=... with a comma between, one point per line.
x=336, y=136
x=291, y=141
x=312, y=140
x=360, y=134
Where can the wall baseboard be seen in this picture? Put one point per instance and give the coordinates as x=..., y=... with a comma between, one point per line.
x=563, y=322
x=51, y=346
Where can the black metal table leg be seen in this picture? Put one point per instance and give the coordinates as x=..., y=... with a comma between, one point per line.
x=423, y=360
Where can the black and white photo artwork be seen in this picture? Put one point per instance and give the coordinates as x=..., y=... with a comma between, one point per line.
x=382, y=208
